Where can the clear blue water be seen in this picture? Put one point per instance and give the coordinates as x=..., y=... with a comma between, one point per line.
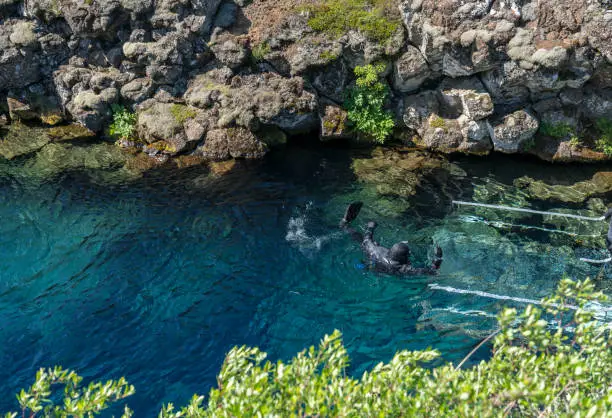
x=158, y=278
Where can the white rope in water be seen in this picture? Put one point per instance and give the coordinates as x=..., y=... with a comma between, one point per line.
x=594, y=308
x=538, y=212
x=499, y=224
x=604, y=261
x=450, y=289
x=469, y=312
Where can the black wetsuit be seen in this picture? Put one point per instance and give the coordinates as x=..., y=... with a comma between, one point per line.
x=380, y=259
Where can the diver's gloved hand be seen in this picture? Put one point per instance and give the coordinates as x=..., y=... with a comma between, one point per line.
x=437, y=261
x=371, y=225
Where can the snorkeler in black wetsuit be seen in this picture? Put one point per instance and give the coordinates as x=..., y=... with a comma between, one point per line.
x=392, y=261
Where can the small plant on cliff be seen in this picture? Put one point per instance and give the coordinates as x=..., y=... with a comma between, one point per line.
x=559, y=130
x=604, y=143
x=575, y=142
x=259, y=51
x=124, y=123
x=377, y=19
x=366, y=103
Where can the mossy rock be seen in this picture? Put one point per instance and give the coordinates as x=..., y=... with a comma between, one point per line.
x=70, y=133
x=397, y=172
x=22, y=140
x=578, y=192
x=56, y=158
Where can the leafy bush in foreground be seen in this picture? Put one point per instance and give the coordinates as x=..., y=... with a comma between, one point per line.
x=366, y=103
x=551, y=362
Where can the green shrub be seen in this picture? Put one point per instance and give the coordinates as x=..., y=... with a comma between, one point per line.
x=575, y=142
x=557, y=130
x=377, y=19
x=548, y=362
x=259, y=51
x=181, y=112
x=366, y=103
x=604, y=143
x=76, y=401
x=124, y=123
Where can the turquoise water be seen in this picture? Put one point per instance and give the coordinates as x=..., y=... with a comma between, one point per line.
x=157, y=278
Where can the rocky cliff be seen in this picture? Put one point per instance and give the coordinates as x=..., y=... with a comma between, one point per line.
x=222, y=78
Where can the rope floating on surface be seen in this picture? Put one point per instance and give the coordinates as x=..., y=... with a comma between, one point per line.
x=537, y=212
x=604, y=261
x=450, y=289
x=499, y=224
x=598, y=309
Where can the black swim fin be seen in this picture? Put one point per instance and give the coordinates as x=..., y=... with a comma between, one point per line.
x=352, y=211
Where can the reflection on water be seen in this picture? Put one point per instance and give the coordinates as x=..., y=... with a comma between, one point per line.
x=156, y=278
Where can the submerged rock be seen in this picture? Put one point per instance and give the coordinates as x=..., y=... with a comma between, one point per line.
x=397, y=172
x=70, y=133
x=22, y=140
x=579, y=192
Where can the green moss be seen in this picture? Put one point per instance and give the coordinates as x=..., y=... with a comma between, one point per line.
x=181, y=112
x=163, y=146
x=557, y=130
x=212, y=86
x=377, y=19
x=259, y=51
x=55, y=8
x=328, y=56
x=329, y=125
x=438, y=122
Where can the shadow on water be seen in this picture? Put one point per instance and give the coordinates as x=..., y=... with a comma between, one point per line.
x=156, y=279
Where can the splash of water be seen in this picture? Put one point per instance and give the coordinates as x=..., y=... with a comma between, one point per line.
x=300, y=238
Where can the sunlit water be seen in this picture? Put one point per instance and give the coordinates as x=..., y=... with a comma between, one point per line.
x=157, y=279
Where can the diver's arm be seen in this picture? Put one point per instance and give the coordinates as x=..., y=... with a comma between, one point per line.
x=369, y=232
x=409, y=270
x=355, y=235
